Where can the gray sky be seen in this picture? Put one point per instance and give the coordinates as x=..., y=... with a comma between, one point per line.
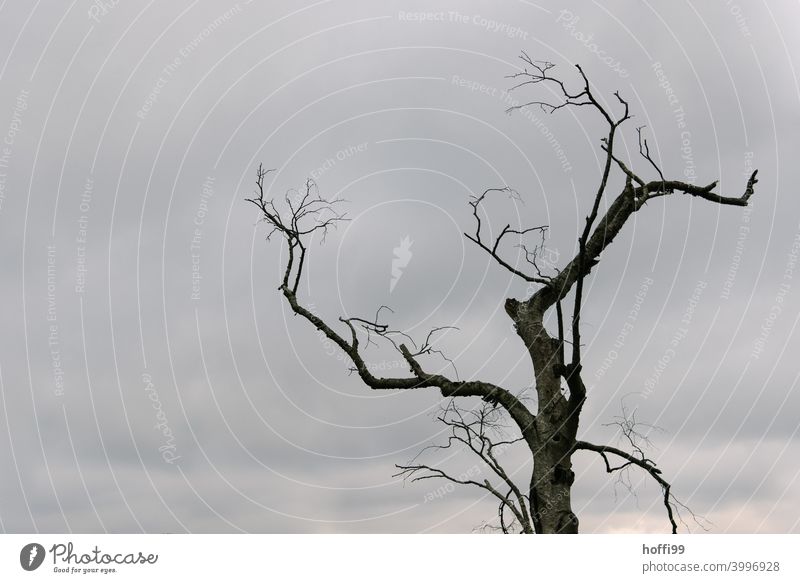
x=131, y=134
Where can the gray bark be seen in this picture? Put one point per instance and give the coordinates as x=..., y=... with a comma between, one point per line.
x=552, y=436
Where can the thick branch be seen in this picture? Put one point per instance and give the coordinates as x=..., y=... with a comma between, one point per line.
x=627, y=202
x=597, y=235
x=309, y=214
x=537, y=72
x=705, y=192
x=487, y=391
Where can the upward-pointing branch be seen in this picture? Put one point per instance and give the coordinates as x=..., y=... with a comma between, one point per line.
x=630, y=200
x=310, y=214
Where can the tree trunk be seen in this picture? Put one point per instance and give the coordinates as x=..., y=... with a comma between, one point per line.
x=552, y=437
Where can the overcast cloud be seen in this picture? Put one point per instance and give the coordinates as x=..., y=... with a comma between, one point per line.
x=151, y=377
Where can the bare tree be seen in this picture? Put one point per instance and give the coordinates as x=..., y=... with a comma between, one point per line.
x=551, y=432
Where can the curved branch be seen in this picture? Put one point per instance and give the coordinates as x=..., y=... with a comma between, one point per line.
x=507, y=230
x=645, y=464
x=630, y=200
x=472, y=430
x=309, y=214
x=599, y=232
x=537, y=72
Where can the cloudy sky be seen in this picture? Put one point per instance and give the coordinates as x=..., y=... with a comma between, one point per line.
x=151, y=378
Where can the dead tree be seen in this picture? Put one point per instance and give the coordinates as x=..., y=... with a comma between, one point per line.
x=551, y=431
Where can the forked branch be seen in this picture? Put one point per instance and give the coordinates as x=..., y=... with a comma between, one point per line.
x=481, y=433
x=630, y=459
x=634, y=432
x=492, y=248
x=306, y=214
